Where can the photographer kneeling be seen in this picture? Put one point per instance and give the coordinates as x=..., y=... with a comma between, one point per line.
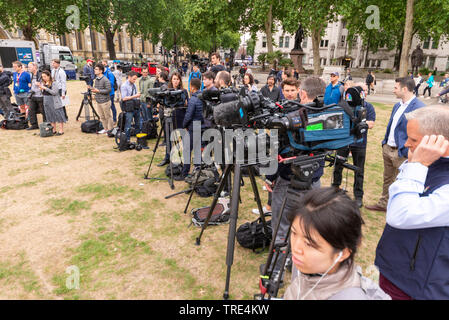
x=130, y=103
x=326, y=232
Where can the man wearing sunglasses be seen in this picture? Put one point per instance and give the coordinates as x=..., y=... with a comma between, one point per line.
x=334, y=91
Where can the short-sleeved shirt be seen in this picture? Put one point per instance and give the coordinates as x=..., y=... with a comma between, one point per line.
x=127, y=89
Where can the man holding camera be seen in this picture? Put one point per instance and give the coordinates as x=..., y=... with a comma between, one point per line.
x=413, y=252
x=5, y=94
x=36, y=100
x=102, y=88
x=131, y=103
x=358, y=151
x=309, y=90
x=88, y=71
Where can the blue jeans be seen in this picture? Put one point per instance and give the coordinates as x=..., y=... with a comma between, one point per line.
x=114, y=111
x=128, y=121
x=146, y=112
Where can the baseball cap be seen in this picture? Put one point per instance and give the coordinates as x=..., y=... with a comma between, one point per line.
x=335, y=73
x=89, y=60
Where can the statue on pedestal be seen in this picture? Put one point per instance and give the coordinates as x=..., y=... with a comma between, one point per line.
x=417, y=59
x=297, y=53
x=299, y=36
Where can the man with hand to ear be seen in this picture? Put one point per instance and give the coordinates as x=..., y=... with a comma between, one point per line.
x=413, y=252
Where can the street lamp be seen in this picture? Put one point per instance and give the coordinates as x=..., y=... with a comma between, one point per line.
x=90, y=30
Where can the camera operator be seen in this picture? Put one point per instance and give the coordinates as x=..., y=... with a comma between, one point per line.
x=358, y=151
x=131, y=103
x=88, y=71
x=36, y=100
x=194, y=113
x=216, y=65
x=310, y=89
x=102, y=90
x=5, y=93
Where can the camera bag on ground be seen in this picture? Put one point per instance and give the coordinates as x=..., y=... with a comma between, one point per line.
x=251, y=235
x=91, y=126
x=177, y=170
x=207, y=183
x=220, y=215
x=45, y=129
x=15, y=121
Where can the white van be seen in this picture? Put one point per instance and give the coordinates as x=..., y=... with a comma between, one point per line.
x=16, y=50
x=48, y=52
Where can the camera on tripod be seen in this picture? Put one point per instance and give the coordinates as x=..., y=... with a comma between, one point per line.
x=169, y=98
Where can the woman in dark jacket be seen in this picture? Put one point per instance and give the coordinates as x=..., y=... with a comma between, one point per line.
x=175, y=83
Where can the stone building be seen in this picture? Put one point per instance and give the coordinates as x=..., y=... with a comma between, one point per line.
x=80, y=43
x=334, y=49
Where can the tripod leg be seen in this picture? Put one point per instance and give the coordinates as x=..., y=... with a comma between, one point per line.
x=93, y=109
x=226, y=173
x=193, y=189
x=252, y=178
x=154, y=151
x=169, y=123
x=232, y=227
x=80, y=110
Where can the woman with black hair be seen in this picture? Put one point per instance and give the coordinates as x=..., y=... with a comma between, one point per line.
x=175, y=83
x=248, y=81
x=325, y=234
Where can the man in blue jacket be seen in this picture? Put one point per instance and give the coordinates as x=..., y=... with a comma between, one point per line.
x=394, y=150
x=194, y=113
x=334, y=91
x=413, y=252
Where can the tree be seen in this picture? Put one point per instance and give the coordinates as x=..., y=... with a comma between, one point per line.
x=314, y=16
x=30, y=16
x=408, y=36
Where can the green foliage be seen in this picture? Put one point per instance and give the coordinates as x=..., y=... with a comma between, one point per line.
x=286, y=62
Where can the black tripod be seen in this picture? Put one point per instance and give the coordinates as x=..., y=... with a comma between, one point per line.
x=86, y=104
x=167, y=126
x=235, y=197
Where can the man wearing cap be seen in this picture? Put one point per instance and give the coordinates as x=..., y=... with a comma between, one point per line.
x=334, y=91
x=88, y=71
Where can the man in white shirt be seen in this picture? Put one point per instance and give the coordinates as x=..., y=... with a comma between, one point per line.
x=393, y=150
x=413, y=252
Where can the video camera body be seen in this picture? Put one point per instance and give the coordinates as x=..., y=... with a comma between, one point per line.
x=168, y=98
x=302, y=128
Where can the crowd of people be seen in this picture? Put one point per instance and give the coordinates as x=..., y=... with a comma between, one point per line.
x=326, y=224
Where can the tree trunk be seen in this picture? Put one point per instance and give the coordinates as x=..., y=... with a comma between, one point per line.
x=407, y=43
x=268, y=27
x=367, y=51
x=110, y=44
x=316, y=38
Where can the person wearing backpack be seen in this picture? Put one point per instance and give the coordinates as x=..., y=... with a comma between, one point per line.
x=326, y=232
x=195, y=74
x=5, y=94
x=114, y=86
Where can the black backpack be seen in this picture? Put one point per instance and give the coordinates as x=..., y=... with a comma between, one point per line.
x=15, y=121
x=220, y=215
x=91, y=126
x=177, y=170
x=251, y=235
x=150, y=128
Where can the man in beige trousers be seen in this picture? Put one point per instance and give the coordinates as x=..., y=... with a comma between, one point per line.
x=102, y=88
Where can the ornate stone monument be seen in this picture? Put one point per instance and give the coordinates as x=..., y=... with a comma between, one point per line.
x=297, y=53
x=417, y=59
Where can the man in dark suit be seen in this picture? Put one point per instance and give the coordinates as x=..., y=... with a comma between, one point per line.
x=393, y=150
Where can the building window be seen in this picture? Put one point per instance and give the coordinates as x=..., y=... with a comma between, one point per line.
x=79, y=40
x=264, y=42
x=426, y=44
x=431, y=63
x=304, y=43
x=343, y=41
x=281, y=42
x=324, y=43
x=286, y=42
x=435, y=44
